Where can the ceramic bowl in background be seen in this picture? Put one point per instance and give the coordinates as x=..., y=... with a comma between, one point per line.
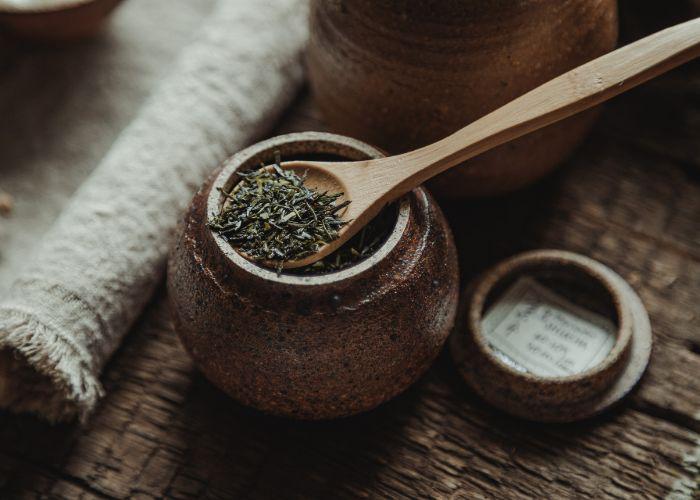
x=61, y=20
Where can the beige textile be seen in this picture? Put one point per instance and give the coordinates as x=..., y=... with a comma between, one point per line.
x=98, y=264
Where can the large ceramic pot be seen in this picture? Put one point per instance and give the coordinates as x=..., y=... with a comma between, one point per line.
x=404, y=73
x=314, y=346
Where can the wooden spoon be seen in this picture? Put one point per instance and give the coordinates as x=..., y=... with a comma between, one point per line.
x=371, y=184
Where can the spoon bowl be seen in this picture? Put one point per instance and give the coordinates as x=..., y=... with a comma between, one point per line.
x=329, y=177
x=322, y=177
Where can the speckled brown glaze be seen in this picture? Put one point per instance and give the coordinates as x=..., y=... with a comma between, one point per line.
x=68, y=21
x=402, y=74
x=555, y=399
x=314, y=347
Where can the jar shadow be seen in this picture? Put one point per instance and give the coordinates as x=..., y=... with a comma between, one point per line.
x=287, y=458
x=491, y=229
x=529, y=439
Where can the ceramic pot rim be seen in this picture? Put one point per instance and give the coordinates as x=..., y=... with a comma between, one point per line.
x=558, y=258
x=62, y=6
x=231, y=166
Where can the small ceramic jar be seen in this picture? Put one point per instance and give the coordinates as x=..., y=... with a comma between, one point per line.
x=314, y=346
x=591, y=286
x=402, y=74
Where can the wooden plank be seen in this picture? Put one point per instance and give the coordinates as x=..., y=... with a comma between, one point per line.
x=435, y=440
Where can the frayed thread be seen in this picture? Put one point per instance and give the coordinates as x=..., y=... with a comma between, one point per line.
x=41, y=373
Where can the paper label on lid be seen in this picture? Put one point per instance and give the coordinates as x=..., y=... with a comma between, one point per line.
x=533, y=329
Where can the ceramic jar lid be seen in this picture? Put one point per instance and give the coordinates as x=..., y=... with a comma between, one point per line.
x=552, y=336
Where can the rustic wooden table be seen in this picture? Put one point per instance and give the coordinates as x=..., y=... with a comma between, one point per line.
x=629, y=197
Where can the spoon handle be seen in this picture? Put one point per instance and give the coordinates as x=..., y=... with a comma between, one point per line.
x=566, y=95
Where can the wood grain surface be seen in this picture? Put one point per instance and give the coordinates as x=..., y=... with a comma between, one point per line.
x=630, y=197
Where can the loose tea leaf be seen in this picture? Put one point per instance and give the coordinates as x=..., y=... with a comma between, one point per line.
x=6, y=204
x=270, y=215
x=359, y=247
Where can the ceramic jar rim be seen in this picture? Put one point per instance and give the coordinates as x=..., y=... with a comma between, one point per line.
x=553, y=258
x=241, y=159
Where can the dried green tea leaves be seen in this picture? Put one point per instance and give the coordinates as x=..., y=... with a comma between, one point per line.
x=360, y=246
x=271, y=215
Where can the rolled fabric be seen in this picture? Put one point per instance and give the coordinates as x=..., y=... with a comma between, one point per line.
x=97, y=267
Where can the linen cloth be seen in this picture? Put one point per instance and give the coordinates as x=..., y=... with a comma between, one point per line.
x=98, y=265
